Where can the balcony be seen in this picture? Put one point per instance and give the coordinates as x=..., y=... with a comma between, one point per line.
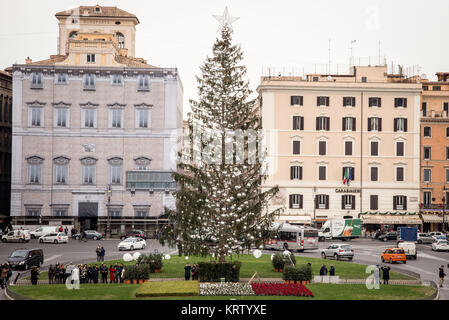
x=149, y=180
x=433, y=206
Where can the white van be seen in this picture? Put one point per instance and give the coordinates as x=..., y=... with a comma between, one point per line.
x=409, y=249
x=17, y=236
x=42, y=231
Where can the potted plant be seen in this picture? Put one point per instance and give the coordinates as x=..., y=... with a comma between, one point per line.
x=127, y=275
x=144, y=273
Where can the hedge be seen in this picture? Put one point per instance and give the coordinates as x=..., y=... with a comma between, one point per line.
x=280, y=260
x=300, y=273
x=140, y=272
x=213, y=271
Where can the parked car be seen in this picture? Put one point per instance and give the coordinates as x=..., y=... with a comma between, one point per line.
x=440, y=245
x=134, y=234
x=394, y=255
x=42, y=231
x=90, y=234
x=26, y=258
x=17, y=236
x=338, y=251
x=424, y=238
x=436, y=233
x=54, y=238
x=132, y=244
x=409, y=248
x=389, y=236
x=436, y=238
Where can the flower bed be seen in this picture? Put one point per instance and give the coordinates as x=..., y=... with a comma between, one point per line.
x=226, y=289
x=281, y=289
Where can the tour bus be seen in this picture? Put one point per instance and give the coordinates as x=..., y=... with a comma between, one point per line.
x=290, y=237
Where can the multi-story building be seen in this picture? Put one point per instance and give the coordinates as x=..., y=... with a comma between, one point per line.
x=344, y=146
x=95, y=130
x=5, y=143
x=435, y=152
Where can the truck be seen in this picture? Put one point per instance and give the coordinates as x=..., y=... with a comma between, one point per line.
x=344, y=229
x=409, y=234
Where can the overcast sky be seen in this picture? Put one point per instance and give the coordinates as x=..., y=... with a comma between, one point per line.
x=284, y=34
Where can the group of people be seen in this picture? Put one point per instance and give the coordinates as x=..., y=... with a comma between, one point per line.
x=324, y=271
x=86, y=273
x=59, y=273
x=100, y=251
x=5, y=274
x=191, y=272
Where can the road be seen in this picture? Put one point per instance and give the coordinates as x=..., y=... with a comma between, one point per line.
x=367, y=251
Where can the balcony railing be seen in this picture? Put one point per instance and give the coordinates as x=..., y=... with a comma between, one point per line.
x=434, y=206
x=149, y=180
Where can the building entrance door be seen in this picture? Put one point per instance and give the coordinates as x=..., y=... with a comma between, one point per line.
x=88, y=215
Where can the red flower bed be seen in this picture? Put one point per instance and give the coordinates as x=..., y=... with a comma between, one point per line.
x=281, y=289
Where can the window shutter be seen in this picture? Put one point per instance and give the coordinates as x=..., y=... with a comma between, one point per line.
x=395, y=201
x=353, y=101
x=302, y=123
x=405, y=125
x=353, y=125
x=300, y=201
x=396, y=102
x=317, y=101
x=400, y=149
x=301, y=100
x=327, y=101
x=327, y=123
x=405, y=102
x=343, y=173
x=380, y=102
x=405, y=203
x=344, y=101
x=316, y=201
x=292, y=173
x=352, y=202
x=291, y=100
x=317, y=123
x=370, y=102
x=353, y=174
x=290, y=201
x=294, y=123
x=322, y=148
x=296, y=147
x=395, y=125
x=380, y=124
x=327, y=201
x=300, y=173
x=342, y=202
x=348, y=148
x=343, y=124
x=369, y=124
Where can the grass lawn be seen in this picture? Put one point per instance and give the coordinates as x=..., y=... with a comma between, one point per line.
x=168, y=288
x=174, y=268
x=320, y=291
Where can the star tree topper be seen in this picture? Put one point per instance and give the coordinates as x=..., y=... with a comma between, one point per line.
x=225, y=20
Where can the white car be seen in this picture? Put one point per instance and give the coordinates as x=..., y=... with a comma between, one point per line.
x=440, y=245
x=338, y=251
x=54, y=238
x=132, y=244
x=17, y=236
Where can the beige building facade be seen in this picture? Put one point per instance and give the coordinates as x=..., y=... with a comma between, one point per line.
x=363, y=126
x=95, y=130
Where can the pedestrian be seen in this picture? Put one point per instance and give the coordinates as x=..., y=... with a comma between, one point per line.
x=332, y=270
x=194, y=270
x=323, y=270
x=90, y=274
x=102, y=253
x=111, y=273
x=385, y=274
x=75, y=275
x=83, y=274
x=118, y=274
x=3, y=276
x=98, y=251
x=73, y=232
x=51, y=274
x=122, y=276
x=8, y=274
x=187, y=269
x=95, y=273
x=57, y=272
x=104, y=273
x=61, y=229
x=62, y=275
x=34, y=275
x=441, y=275
x=66, y=231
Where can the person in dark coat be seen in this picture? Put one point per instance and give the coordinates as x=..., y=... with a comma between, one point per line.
x=385, y=273
x=90, y=274
x=323, y=270
x=51, y=274
x=95, y=273
x=195, y=272
x=441, y=275
x=187, y=269
x=57, y=273
x=34, y=275
x=332, y=270
x=102, y=253
x=104, y=273
x=72, y=232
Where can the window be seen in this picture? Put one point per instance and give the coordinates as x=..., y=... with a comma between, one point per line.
x=427, y=175
x=427, y=154
x=348, y=202
x=61, y=78
x=61, y=173
x=116, y=118
x=143, y=116
x=375, y=102
x=348, y=101
x=117, y=79
x=141, y=212
x=425, y=88
x=374, y=202
x=321, y=173
x=61, y=117
x=298, y=123
x=322, y=201
x=399, y=174
x=36, y=116
x=295, y=172
x=120, y=40
x=349, y=171
x=399, y=149
x=315, y=79
x=348, y=124
x=60, y=212
x=447, y=175
x=33, y=212
x=89, y=82
x=37, y=80
x=374, y=173
x=399, y=203
x=447, y=153
x=88, y=174
x=322, y=101
x=296, y=147
x=400, y=124
x=116, y=174
x=322, y=148
x=374, y=148
x=322, y=123
x=424, y=109
x=400, y=102
x=115, y=212
x=35, y=173
x=73, y=34
x=427, y=197
x=348, y=148
x=89, y=118
x=375, y=124
x=447, y=132
x=436, y=88
x=91, y=58
x=446, y=107
x=295, y=201
x=427, y=132
x=143, y=83
x=296, y=100
x=364, y=79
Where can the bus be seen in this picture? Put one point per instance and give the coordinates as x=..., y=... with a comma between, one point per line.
x=290, y=237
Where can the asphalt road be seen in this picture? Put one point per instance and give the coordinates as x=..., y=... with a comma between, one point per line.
x=367, y=251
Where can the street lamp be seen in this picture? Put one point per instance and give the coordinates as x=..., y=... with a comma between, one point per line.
x=108, y=226
x=444, y=220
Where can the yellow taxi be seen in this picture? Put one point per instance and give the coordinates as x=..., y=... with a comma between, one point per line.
x=394, y=255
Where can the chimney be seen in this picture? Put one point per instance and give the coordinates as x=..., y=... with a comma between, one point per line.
x=28, y=60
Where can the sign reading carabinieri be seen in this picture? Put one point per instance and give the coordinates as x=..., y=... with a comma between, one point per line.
x=347, y=190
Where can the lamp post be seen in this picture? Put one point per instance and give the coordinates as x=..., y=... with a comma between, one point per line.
x=444, y=220
x=108, y=226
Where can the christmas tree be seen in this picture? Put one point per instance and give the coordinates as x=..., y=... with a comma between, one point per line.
x=221, y=208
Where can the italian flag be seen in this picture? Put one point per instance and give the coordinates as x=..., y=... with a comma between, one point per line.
x=346, y=176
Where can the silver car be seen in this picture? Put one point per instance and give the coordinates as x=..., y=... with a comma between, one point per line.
x=424, y=238
x=338, y=251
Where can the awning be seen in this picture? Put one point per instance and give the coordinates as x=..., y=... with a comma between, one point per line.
x=432, y=218
x=294, y=219
x=389, y=219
